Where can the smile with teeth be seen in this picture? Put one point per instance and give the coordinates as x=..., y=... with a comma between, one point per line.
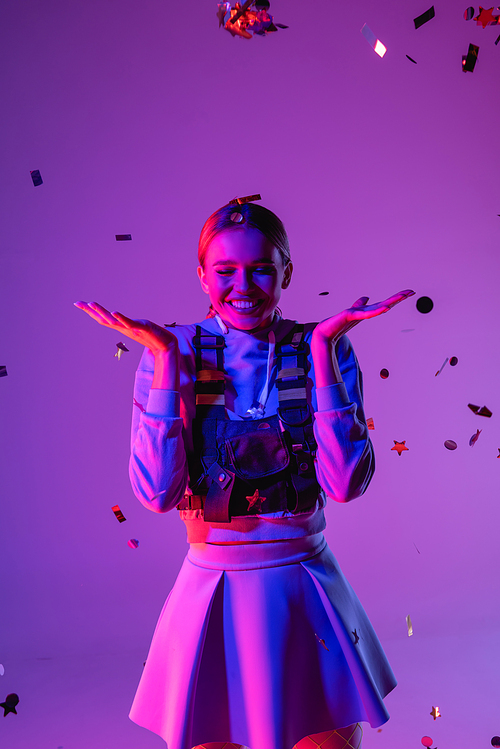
x=240, y=304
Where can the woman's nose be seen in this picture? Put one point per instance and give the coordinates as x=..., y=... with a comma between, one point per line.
x=243, y=282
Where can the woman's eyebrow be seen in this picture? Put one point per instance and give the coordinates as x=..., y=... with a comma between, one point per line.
x=259, y=261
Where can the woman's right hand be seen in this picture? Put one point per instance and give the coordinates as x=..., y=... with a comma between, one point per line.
x=157, y=340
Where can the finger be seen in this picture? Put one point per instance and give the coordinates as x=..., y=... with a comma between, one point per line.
x=361, y=302
x=127, y=321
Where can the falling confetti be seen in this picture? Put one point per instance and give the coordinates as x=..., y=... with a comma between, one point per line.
x=420, y=20
x=36, y=177
x=400, y=446
x=424, y=304
x=2, y=669
x=236, y=218
x=450, y=444
x=3, y=371
x=356, y=636
x=133, y=543
x=483, y=411
x=496, y=42
x=498, y=456
x=411, y=59
x=246, y=199
x=435, y=712
x=171, y=325
x=322, y=642
x=9, y=706
x=469, y=13
x=409, y=625
x=241, y=20
x=495, y=741
x=427, y=741
x=324, y=293
x=453, y=361
x=369, y=423
x=384, y=373
x=139, y=406
x=123, y=237
x=372, y=40
x=415, y=545
x=119, y=514
x=445, y=363
x=475, y=438
x=486, y=18
x=121, y=348
x=469, y=60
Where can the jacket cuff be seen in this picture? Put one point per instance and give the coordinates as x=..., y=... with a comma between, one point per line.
x=332, y=397
x=163, y=403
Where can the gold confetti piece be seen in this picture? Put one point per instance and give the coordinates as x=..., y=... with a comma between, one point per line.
x=444, y=365
x=435, y=712
x=246, y=199
x=121, y=348
x=369, y=423
x=409, y=625
x=399, y=446
x=322, y=642
x=119, y=514
x=475, y=437
x=139, y=406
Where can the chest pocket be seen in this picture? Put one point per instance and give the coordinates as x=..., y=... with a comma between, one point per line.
x=257, y=454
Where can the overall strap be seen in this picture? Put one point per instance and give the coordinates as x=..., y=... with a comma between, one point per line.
x=210, y=383
x=295, y=414
x=210, y=407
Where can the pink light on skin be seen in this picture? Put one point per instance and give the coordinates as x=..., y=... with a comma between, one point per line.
x=243, y=276
x=379, y=48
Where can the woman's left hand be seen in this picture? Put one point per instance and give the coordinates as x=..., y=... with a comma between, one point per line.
x=333, y=328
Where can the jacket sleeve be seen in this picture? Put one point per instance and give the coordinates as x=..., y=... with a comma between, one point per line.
x=345, y=460
x=158, y=466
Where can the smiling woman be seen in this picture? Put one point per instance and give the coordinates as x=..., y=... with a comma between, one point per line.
x=249, y=422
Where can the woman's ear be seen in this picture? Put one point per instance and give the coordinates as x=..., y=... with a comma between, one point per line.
x=287, y=276
x=201, y=276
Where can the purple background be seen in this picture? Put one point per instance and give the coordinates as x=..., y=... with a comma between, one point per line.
x=143, y=118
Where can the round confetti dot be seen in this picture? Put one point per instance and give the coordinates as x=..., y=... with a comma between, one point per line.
x=469, y=13
x=426, y=741
x=237, y=218
x=453, y=361
x=450, y=445
x=384, y=373
x=424, y=304
x=495, y=741
x=324, y=293
x=133, y=543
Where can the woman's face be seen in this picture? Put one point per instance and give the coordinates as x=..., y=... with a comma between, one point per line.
x=244, y=275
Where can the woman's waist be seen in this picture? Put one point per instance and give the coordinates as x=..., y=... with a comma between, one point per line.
x=247, y=555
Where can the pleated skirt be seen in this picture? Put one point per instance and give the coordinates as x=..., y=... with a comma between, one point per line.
x=261, y=645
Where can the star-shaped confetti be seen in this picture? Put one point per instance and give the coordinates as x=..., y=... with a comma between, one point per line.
x=356, y=636
x=9, y=706
x=322, y=642
x=486, y=18
x=435, y=712
x=399, y=446
x=255, y=500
